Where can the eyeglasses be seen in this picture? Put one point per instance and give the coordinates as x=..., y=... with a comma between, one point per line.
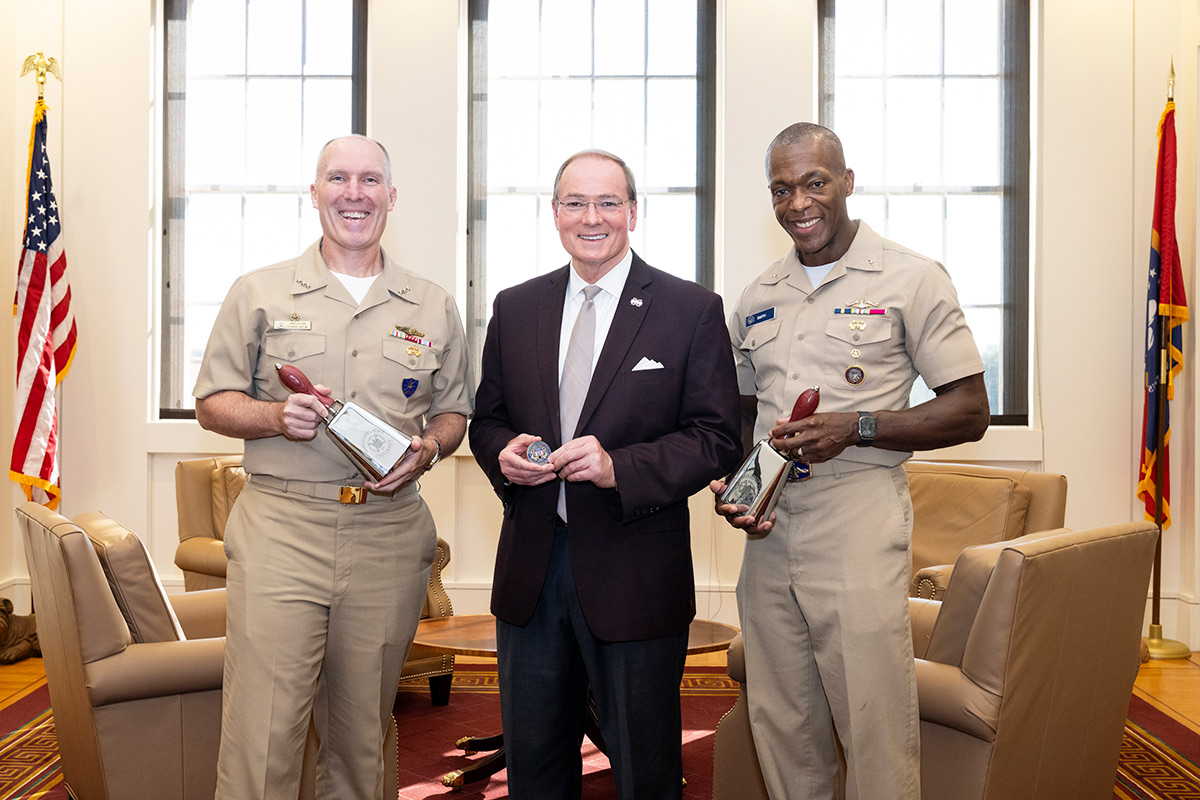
x=575, y=208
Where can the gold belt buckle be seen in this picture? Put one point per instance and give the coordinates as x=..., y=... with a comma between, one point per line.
x=355, y=495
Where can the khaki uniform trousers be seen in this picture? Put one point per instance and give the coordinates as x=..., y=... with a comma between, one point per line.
x=824, y=610
x=323, y=604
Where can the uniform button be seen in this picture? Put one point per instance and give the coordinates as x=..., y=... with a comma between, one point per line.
x=753, y=342
x=800, y=337
x=291, y=353
x=811, y=300
x=412, y=362
x=795, y=377
x=354, y=353
x=856, y=337
x=353, y=395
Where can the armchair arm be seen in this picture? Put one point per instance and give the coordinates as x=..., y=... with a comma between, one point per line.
x=203, y=555
x=930, y=582
x=156, y=669
x=201, y=614
x=437, y=599
x=948, y=697
x=735, y=659
x=922, y=614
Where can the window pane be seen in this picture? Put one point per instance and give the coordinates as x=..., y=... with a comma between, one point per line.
x=326, y=111
x=565, y=124
x=620, y=46
x=274, y=41
x=514, y=22
x=972, y=37
x=216, y=116
x=512, y=138
x=273, y=132
x=512, y=233
x=860, y=127
x=670, y=147
x=280, y=215
x=859, y=48
x=329, y=37
x=972, y=156
x=914, y=37
x=211, y=247
x=870, y=208
x=566, y=38
x=974, y=250
x=672, y=47
x=216, y=32
x=620, y=110
x=916, y=222
x=668, y=223
x=914, y=137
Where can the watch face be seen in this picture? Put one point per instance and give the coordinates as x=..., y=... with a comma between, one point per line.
x=866, y=427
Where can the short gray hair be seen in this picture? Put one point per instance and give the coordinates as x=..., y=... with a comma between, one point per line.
x=630, y=184
x=803, y=132
x=387, y=158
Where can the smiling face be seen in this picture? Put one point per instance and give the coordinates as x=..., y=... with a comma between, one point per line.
x=353, y=195
x=809, y=185
x=597, y=241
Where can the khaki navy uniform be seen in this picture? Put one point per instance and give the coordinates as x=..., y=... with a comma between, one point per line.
x=823, y=596
x=323, y=596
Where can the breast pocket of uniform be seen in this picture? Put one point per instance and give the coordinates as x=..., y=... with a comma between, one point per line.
x=861, y=346
x=305, y=351
x=760, y=345
x=406, y=380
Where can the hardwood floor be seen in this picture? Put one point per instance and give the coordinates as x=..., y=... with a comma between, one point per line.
x=1173, y=686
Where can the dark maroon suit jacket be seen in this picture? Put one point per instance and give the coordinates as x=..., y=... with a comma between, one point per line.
x=669, y=432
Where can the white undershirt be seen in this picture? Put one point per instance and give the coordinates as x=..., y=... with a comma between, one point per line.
x=817, y=274
x=611, y=286
x=357, y=287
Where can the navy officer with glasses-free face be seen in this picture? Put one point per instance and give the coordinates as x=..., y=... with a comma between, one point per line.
x=593, y=584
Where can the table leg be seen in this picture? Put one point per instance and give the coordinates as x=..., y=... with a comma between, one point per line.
x=483, y=768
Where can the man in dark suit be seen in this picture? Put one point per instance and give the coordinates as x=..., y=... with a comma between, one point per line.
x=593, y=583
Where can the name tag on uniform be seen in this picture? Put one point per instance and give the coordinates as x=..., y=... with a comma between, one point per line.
x=292, y=325
x=760, y=316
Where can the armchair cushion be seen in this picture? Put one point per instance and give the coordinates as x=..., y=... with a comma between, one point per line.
x=133, y=579
x=955, y=510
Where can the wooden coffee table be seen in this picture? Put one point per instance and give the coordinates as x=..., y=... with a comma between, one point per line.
x=475, y=635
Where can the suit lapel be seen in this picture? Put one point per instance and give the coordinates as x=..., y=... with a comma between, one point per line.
x=632, y=309
x=549, y=331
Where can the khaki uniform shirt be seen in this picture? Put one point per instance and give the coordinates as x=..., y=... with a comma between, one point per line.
x=881, y=317
x=296, y=312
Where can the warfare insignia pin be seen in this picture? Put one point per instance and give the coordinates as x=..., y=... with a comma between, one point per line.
x=408, y=386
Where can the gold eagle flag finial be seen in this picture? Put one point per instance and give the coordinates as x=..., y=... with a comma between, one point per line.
x=42, y=65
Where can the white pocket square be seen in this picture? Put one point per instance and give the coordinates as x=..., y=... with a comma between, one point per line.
x=647, y=363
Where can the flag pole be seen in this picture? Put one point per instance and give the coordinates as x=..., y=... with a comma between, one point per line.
x=1159, y=647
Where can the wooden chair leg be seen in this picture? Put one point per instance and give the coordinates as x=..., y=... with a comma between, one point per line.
x=439, y=689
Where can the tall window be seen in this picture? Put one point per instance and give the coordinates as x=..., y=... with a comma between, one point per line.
x=552, y=77
x=931, y=101
x=254, y=89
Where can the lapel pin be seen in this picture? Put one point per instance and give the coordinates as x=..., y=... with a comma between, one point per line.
x=636, y=302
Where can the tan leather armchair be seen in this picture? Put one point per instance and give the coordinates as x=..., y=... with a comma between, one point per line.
x=956, y=506
x=205, y=490
x=1024, y=672
x=137, y=704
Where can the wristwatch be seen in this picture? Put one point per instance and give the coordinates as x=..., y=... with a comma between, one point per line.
x=437, y=455
x=866, y=429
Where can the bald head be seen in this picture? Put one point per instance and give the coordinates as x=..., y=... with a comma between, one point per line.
x=387, y=159
x=809, y=133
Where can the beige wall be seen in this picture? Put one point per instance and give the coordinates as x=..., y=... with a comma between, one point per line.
x=1099, y=88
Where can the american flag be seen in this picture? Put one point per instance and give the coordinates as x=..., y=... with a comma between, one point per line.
x=46, y=332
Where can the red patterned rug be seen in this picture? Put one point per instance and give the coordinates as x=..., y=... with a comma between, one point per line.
x=1159, y=755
